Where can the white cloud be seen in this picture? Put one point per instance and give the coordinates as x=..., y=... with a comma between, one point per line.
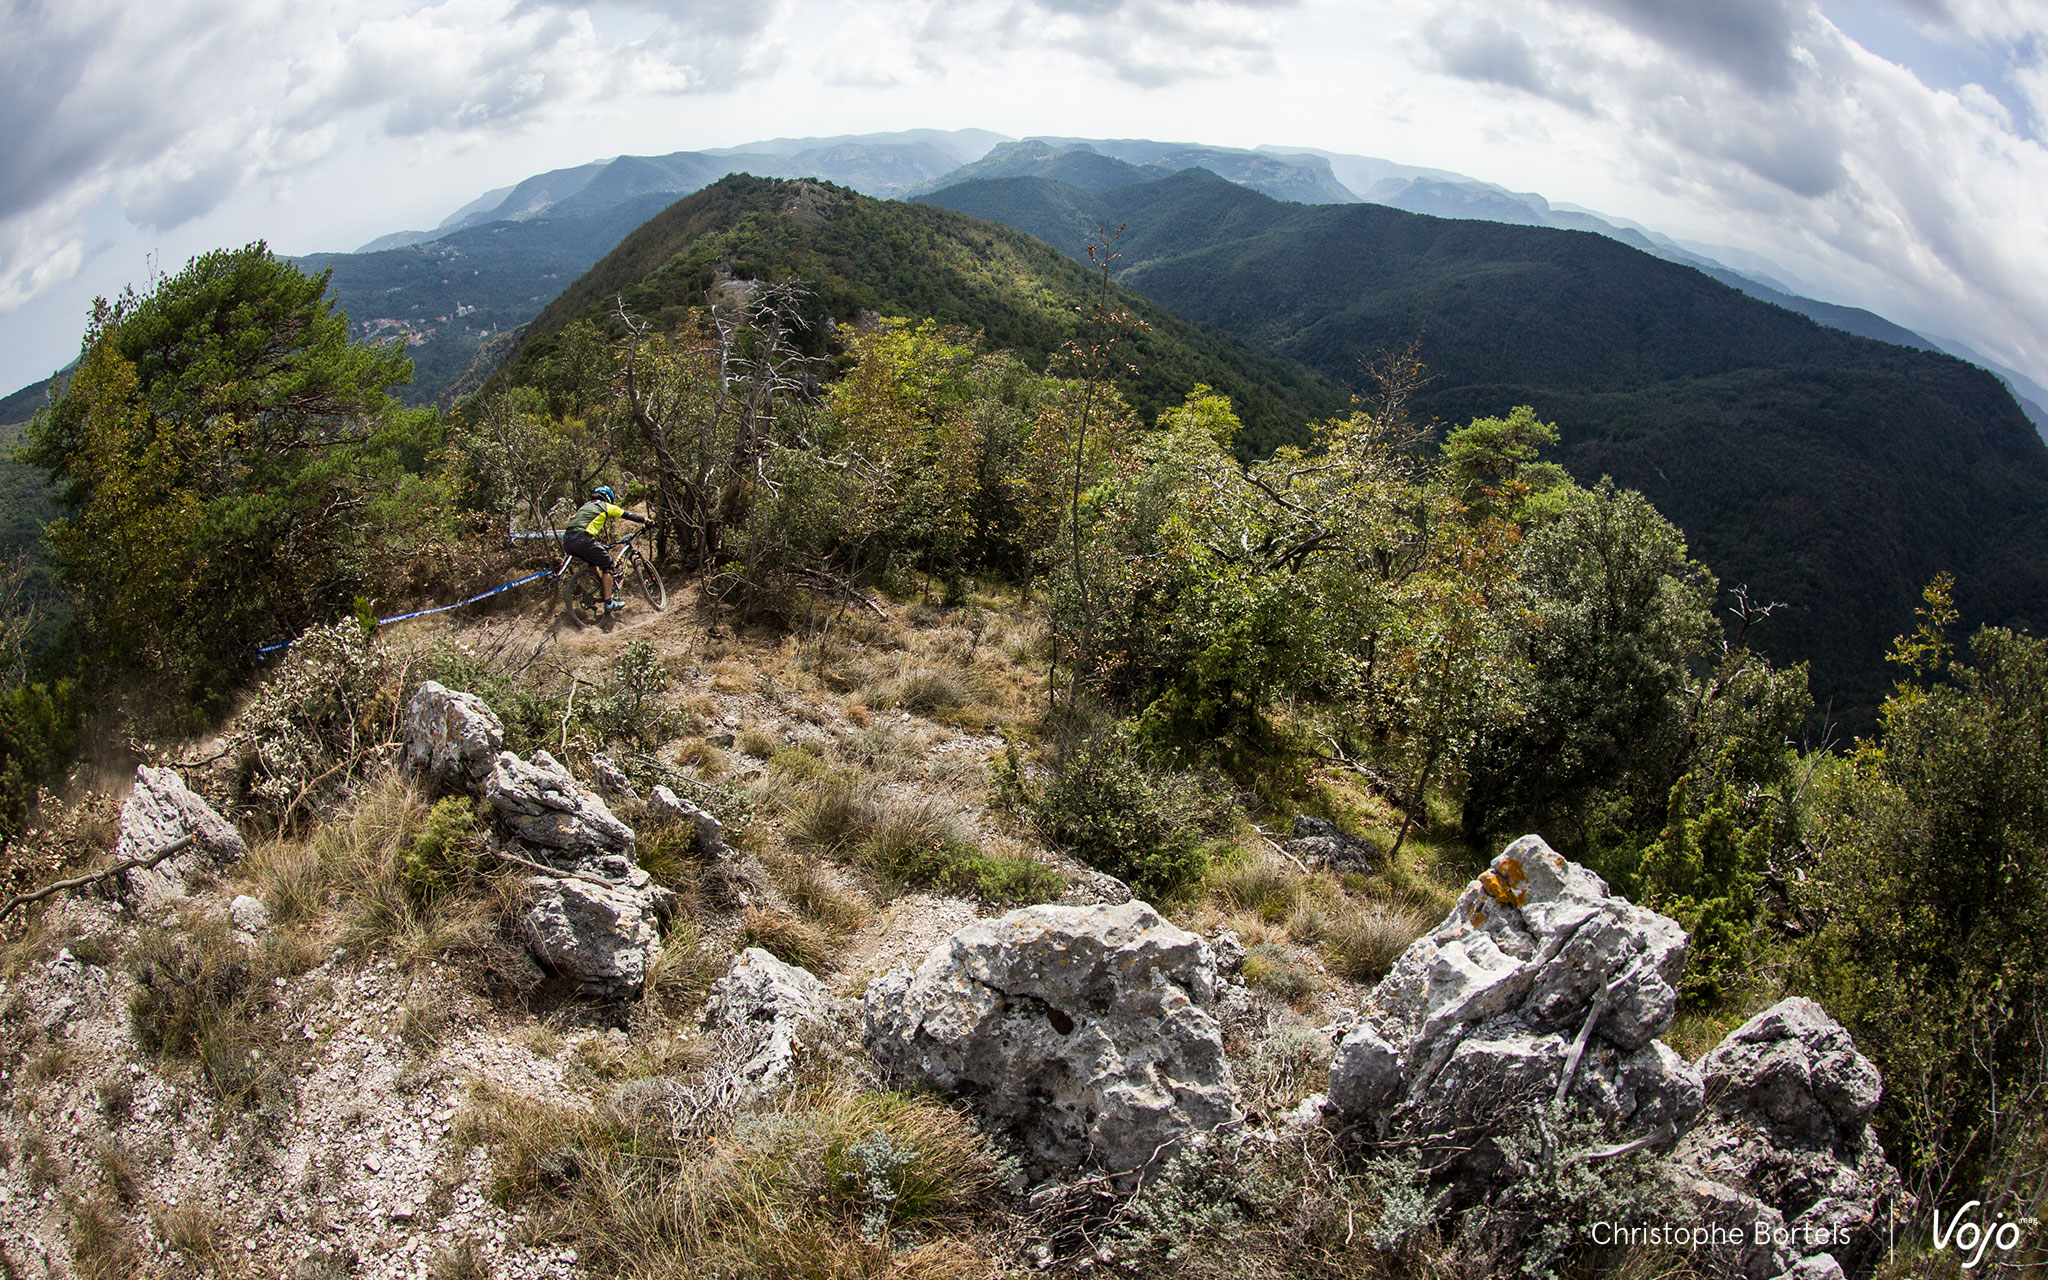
x=1789, y=137
x=174, y=107
x=1148, y=43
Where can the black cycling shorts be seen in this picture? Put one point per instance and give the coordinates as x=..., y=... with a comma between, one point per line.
x=579, y=543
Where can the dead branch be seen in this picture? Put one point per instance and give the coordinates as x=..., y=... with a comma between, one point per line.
x=179, y=845
x=557, y=872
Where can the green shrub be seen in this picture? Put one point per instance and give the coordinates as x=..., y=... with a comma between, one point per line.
x=1112, y=810
x=1282, y=971
x=1235, y=1206
x=444, y=855
x=926, y=861
x=38, y=738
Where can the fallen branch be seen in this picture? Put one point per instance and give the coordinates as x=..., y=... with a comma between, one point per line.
x=1655, y=1138
x=1601, y=1000
x=1277, y=848
x=574, y=683
x=558, y=872
x=179, y=845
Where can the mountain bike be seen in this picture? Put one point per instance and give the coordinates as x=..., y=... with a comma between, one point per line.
x=583, y=594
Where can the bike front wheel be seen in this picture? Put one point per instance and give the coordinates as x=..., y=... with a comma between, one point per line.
x=648, y=578
x=583, y=597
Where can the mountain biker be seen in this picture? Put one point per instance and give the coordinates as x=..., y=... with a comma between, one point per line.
x=580, y=538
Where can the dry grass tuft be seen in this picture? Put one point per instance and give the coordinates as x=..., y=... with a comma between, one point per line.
x=829, y=1185
x=1363, y=944
x=815, y=892
x=463, y=1260
x=103, y=1245
x=416, y=900
x=790, y=939
x=681, y=975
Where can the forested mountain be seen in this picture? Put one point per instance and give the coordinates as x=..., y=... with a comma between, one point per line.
x=1832, y=472
x=1077, y=163
x=858, y=255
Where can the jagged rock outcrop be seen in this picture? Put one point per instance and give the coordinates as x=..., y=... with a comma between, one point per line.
x=771, y=1008
x=601, y=936
x=710, y=831
x=598, y=924
x=1786, y=1146
x=160, y=811
x=1538, y=971
x=452, y=737
x=612, y=782
x=1318, y=841
x=1085, y=1030
x=540, y=804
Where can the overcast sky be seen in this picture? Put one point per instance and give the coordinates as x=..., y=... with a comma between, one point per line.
x=1889, y=153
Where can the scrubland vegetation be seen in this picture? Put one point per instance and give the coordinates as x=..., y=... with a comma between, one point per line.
x=955, y=625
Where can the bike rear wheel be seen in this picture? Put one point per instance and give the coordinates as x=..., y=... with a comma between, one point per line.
x=583, y=597
x=648, y=578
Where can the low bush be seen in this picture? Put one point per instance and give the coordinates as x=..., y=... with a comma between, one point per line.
x=317, y=725
x=1109, y=807
x=198, y=998
x=1283, y=971
x=1236, y=1206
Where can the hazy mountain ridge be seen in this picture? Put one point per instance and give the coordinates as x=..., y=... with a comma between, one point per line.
x=1820, y=468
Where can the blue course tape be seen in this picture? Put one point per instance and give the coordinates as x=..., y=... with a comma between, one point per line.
x=544, y=533
x=265, y=650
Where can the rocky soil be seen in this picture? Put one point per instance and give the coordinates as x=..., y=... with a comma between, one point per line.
x=329, y=1120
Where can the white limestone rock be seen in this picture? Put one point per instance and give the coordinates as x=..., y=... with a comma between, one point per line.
x=452, y=737
x=1087, y=1031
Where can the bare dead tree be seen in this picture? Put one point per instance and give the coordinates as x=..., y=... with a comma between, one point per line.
x=710, y=410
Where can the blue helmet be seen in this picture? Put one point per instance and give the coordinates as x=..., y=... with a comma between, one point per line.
x=604, y=491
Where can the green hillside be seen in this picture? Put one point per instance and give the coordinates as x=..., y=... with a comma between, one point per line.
x=1833, y=472
x=861, y=255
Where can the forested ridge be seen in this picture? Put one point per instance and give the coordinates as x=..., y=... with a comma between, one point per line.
x=983, y=587
x=1828, y=471
x=855, y=254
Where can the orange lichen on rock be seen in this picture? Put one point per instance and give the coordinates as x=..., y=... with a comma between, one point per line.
x=1508, y=884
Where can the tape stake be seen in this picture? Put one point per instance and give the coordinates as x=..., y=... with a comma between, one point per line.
x=265, y=650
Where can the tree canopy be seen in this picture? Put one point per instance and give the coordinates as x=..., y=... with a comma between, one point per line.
x=221, y=449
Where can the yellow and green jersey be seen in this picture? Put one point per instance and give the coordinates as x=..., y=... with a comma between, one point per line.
x=592, y=515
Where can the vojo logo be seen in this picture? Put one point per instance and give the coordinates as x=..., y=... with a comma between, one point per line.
x=1971, y=1236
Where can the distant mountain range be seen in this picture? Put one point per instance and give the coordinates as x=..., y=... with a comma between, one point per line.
x=879, y=164
x=449, y=317
x=1831, y=471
